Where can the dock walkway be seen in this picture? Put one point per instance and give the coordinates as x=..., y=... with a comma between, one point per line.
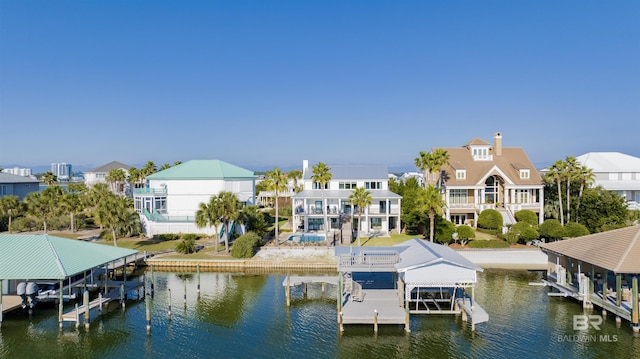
x=379, y=306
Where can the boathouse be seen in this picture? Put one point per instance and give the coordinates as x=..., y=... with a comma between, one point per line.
x=384, y=285
x=36, y=258
x=599, y=269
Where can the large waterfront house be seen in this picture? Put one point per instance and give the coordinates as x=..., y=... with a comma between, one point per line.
x=483, y=176
x=20, y=186
x=99, y=174
x=617, y=172
x=170, y=199
x=311, y=205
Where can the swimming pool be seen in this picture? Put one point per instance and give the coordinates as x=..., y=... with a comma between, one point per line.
x=305, y=238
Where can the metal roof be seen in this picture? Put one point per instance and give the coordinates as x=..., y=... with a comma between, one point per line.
x=354, y=173
x=42, y=256
x=202, y=169
x=617, y=250
x=418, y=253
x=11, y=178
x=609, y=162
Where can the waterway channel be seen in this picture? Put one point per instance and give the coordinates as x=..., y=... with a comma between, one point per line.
x=240, y=315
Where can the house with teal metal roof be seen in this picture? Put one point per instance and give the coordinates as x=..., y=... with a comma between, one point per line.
x=170, y=199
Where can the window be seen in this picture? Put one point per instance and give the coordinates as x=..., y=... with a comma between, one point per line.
x=160, y=205
x=376, y=223
x=316, y=185
x=461, y=174
x=458, y=196
x=373, y=185
x=346, y=185
x=522, y=196
x=525, y=174
x=3, y=190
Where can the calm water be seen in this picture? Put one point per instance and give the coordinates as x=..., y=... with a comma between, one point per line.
x=244, y=316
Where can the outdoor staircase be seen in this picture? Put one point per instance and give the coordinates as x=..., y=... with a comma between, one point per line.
x=346, y=229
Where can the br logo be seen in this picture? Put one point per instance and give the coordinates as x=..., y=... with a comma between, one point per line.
x=582, y=321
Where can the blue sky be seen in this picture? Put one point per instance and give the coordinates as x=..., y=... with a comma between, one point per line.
x=271, y=83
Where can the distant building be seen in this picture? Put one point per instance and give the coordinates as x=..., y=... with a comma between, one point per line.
x=62, y=171
x=24, y=172
x=616, y=172
x=99, y=174
x=13, y=185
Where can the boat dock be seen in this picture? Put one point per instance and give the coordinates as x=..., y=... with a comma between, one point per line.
x=376, y=306
x=119, y=292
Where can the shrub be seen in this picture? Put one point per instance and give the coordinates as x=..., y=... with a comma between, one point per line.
x=246, y=245
x=465, y=233
x=573, y=230
x=527, y=216
x=522, y=232
x=552, y=229
x=488, y=244
x=186, y=246
x=444, y=229
x=490, y=219
x=190, y=236
x=167, y=237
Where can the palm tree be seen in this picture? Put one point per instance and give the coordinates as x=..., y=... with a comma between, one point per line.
x=228, y=210
x=148, y=169
x=71, y=203
x=43, y=204
x=206, y=216
x=360, y=198
x=9, y=206
x=432, y=203
x=586, y=177
x=295, y=175
x=49, y=178
x=427, y=163
x=570, y=169
x=276, y=182
x=441, y=160
x=97, y=194
x=322, y=176
x=115, y=177
x=165, y=166
x=115, y=213
x=556, y=173
x=135, y=177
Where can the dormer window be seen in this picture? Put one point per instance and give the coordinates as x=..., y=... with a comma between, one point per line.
x=525, y=173
x=481, y=153
x=461, y=174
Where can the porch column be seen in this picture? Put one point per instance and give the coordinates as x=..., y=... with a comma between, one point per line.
x=541, y=207
x=618, y=289
x=605, y=286
x=634, y=298
x=448, y=204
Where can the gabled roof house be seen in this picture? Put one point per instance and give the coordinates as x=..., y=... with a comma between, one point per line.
x=482, y=175
x=99, y=174
x=20, y=186
x=171, y=198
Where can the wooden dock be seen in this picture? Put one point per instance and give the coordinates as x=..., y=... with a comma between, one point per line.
x=11, y=302
x=116, y=293
x=378, y=306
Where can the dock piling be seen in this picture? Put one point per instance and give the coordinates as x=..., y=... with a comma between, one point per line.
x=198, y=270
x=169, y=313
x=375, y=320
x=85, y=299
x=148, y=313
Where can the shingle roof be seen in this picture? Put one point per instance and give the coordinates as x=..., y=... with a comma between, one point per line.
x=617, y=250
x=11, y=178
x=113, y=165
x=203, y=169
x=49, y=257
x=477, y=171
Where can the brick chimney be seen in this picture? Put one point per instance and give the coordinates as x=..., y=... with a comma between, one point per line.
x=497, y=144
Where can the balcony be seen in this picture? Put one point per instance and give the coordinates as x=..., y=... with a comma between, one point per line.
x=149, y=191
